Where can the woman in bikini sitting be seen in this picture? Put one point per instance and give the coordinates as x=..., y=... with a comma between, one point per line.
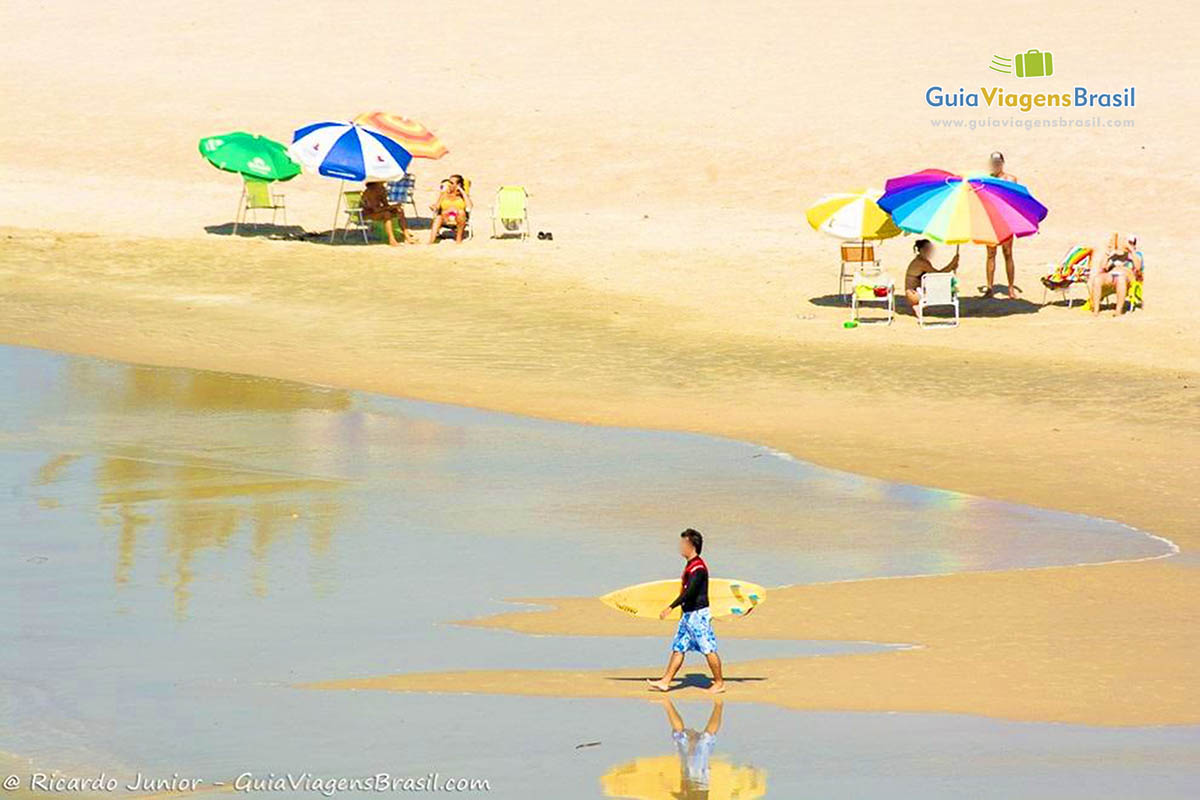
x=1121, y=266
x=920, y=265
x=450, y=211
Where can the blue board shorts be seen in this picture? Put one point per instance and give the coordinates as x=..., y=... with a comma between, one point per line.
x=695, y=633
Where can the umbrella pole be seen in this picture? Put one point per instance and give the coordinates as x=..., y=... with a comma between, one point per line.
x=238, y=213
x=336, y=208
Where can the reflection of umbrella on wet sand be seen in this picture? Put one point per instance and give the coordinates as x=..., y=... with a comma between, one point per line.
x=348, y=152
x=955, y=210
x=255, y=158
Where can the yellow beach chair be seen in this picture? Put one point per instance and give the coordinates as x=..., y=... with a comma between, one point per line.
x=510, y=212
x=257, y=196
x=354, y=216
x=1135, y=297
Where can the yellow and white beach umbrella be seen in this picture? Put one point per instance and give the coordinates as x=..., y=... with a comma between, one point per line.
x=852, y=215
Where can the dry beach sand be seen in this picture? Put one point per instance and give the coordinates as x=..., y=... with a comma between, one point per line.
x=672, y=149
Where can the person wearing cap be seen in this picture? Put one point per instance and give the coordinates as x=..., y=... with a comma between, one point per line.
x=1121, y=266
x=996, y=162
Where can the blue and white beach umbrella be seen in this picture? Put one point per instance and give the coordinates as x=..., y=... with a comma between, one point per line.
x=349, y=151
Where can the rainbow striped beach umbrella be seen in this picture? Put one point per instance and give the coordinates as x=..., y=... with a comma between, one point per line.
x=955, y=210
x=852, y=215
x=412, y=135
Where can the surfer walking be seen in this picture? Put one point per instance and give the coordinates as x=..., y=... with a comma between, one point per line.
x=695, y=631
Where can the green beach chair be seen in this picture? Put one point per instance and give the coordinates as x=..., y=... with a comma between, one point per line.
x=510, y=212
x=257, y=196
x=354, y=216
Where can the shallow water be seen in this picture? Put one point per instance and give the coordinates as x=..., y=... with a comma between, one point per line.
x=180, y=546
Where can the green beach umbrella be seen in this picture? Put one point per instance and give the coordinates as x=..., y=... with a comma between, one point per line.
x=251, y=155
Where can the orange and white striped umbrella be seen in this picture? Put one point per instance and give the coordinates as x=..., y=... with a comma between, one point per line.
x=410, y=134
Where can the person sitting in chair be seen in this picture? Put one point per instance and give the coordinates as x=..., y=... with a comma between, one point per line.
x=463, y=185
x=1120, y=267
x=450, y=211
x=921, y=264
x=375, y=206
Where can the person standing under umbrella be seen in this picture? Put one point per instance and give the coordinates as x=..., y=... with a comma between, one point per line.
x=996, y=164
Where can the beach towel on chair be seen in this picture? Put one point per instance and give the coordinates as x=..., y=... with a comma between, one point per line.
x=1073, y=268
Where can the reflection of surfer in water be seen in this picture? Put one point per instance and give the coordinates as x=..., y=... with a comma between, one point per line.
x=694, y=750
x=695, y=624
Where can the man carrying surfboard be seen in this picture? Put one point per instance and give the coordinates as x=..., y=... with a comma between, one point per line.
x=695, y=625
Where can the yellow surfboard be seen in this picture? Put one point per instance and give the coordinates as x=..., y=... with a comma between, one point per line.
x=726, y=598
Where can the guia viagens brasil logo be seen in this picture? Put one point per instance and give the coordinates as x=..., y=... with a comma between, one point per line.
x=1032, y=63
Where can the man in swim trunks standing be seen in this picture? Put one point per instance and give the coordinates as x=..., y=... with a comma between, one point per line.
x=695, y=626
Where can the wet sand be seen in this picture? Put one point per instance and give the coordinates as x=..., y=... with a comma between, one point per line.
x=986, y=642
x=1107, y=645
x=154, y=511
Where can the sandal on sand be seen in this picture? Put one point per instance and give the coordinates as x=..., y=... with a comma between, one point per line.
x=986, y=291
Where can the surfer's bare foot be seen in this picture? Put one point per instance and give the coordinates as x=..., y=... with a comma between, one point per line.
x=659, y=685
x=717, y=688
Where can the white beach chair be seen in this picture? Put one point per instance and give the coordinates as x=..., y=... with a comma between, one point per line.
x=937, y=289
x=865, y=289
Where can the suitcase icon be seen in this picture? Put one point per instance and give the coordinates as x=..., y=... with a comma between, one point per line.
x=1034, y=64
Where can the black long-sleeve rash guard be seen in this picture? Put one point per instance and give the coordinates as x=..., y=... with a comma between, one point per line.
x=694, y=582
